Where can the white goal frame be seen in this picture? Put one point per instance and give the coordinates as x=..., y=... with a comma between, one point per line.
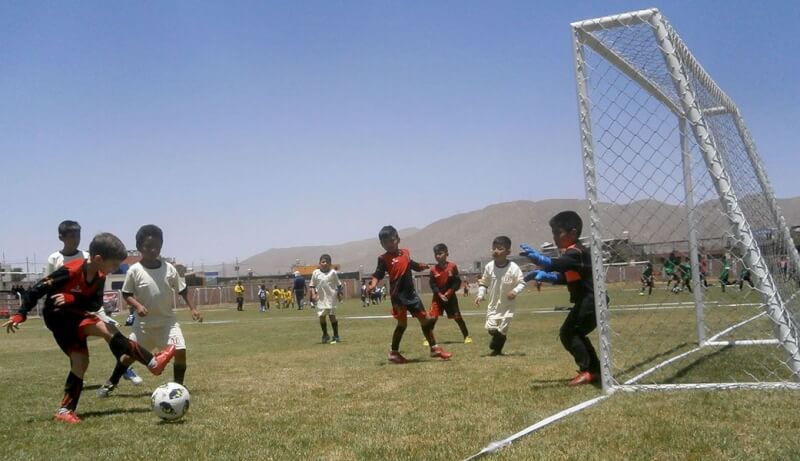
x=692, y=120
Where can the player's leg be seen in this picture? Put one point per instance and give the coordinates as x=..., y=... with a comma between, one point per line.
x=399, y=313
x=454, y=312
x=73, y=386
x=334, y=327
x=573, y=334
x=323, y=324
x=123, y=348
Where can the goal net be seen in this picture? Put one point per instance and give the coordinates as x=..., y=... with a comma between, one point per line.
x=673, y=179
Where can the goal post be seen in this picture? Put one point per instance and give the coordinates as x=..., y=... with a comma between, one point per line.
x=667, y=157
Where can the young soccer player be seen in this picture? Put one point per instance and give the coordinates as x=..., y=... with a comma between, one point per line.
x=364, y=302
x=685, y=269
x=503, y=280
x=238, y=290
x=263, y=298
x=744, y=276
x=69, y=232
x=670, y=270
x=149, y=287
x=326, y=290
x=647, y=279
x=445, y=282
x=573, y=268
x=72, y=293
x=398, y=263
x=725, y=272
x=299, y=289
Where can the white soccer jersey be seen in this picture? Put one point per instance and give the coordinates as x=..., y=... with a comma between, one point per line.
x=57, y=259
x=326, y=285
x=155, y=289
x=498, y=282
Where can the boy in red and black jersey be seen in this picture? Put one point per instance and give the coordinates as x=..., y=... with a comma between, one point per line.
x=445, y=282
x=398, y=263
x=74, y=293
x=573, y=268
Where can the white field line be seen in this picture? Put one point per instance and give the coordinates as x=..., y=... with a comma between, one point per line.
x=494, y=446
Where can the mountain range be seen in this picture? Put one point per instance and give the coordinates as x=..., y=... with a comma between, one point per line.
x=469, y=235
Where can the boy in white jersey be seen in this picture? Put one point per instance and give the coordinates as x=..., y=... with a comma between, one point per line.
x=326, y=290
x=69, y=232
x=503, y=280
x=149, y=287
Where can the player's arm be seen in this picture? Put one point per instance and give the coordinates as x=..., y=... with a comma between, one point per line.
x=516, y=273
x=312, y=290
x=377, y=276
x=338, y=284
x=128, y=294
x=453, y=283
x=483, y=284
x=418, y=267
x=49, y=284
x=196, y=314
x=571, y=260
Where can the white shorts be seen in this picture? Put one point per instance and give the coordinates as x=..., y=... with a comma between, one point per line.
x=106, y=318
x=158, y=337
x=324, y=312
x=499, y=324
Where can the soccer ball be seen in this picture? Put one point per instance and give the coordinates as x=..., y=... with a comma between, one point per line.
x=170, y=401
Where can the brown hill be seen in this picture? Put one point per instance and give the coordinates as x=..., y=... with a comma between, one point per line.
x=469, y=235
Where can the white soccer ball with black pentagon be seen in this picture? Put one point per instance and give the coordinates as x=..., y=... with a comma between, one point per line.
x=170, y=401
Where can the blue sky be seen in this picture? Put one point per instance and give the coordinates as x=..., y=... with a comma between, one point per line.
x=243, y=126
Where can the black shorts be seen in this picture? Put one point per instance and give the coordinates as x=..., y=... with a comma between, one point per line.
x=66, y=325
x=450, y=307
x=413, y=307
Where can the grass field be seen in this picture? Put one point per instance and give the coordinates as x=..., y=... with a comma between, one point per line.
x=263, y=387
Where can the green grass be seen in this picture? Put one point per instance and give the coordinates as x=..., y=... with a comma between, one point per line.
x=263, y=387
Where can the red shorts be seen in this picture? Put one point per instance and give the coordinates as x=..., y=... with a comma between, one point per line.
x=416, y=310
x=67, y=327
x=450, y=307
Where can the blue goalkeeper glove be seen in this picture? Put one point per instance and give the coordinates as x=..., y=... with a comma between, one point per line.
x=537, y=258
x=541, y=276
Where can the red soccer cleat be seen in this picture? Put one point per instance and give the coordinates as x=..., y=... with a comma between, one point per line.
x=68, y=416
x=437, y=351
x=395, y=357
x=162, y=359
x=583, y=377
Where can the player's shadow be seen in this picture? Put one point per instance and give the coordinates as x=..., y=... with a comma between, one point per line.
x=649, y=360
x=543, y=383
x=115, y=411
x=683, y=371
x=408, y=362
x=164, y=421
x=504, y=354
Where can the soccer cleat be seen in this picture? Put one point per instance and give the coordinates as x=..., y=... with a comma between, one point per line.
x=335, y=340
x=495, y=353
x=468, y=340
x=437, y=351
x=162, y=359
x=105, y=390
x=325, y=339
x=426, y=343
x=129, y=321
x=68, y=416
x=395, y=357
x=583, y=377
x=131, y=376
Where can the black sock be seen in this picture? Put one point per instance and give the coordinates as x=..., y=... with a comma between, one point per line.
x=121, y=345
x=72, y=392
x=335, y=326
x=324, y=327
x=462, y=326
x=397, y=336
x=116, y=375
x=179, y=372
